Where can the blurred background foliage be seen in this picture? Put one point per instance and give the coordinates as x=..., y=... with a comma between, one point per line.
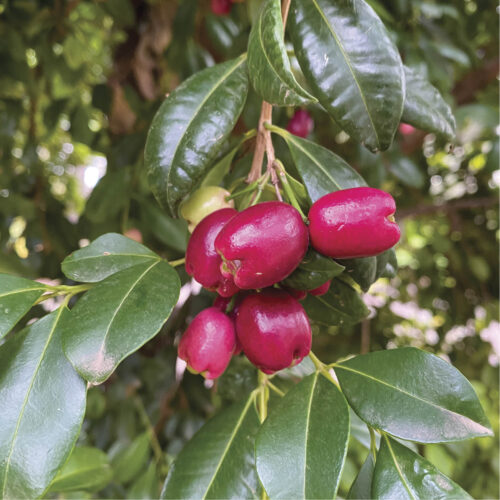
x=80, y=83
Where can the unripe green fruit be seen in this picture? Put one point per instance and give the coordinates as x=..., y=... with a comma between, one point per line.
x=203, y=202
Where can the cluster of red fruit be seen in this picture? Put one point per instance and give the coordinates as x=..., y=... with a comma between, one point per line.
x=243, y=256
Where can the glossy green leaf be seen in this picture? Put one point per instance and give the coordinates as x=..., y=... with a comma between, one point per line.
x=147, y=486
x=362, y=486
x=341, y=305
x=363, y=271
x=314, y=270
x=352, y=66
x=425, y=108
x=43, y=404
x=17, y=296
x=105, y=256
x=87, y=469
x=218, y=462
x=301, y=447
x=413, y=395
x=268, y=65
x=401, y=474
x=190, y=127
x=117, y=316
x=128, y=463
x=321, y=170
x=387, y=264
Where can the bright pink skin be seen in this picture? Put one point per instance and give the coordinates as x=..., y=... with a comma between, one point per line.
x=208, y=343
x=301, y=123
x=353, y=223
x=321, y=290
x=221, y=7
x=273, y=329
x=406, y=129
x=262, y=245
x=202, y=261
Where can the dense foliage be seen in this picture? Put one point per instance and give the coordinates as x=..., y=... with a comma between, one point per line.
x=81, y=83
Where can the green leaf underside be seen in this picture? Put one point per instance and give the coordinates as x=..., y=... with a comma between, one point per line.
x=361, y=488
x=314, y=270
x=118, y=316
x=86, y=469
x=17, y=296
x=46, y=405
x=321, y=170
x=412, y=395
x=341, y=305
x=190, y=127
x=105, y=256
x=401, y=474
x=425, y=108
x=218, y=462
x=352, y=66
x=268, y=64
x=301, y=447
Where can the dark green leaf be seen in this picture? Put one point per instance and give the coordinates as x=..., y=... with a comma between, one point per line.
x=43, y=407
x=407, y=171
x=268, y=64
x=314, y=270
x=105, y=256
x=128, y=463
x=363, y=271
x=218, y=462
x=301, y=448
x=17, y=296
x=401, y=474
x=362, y=486
x=352, y=66
x=413, y=395
x=386, y=261
x=321, y=170
x=425, y=108
x=117, y=316
x=190, y=127
x=341, y=305
x=87, y=469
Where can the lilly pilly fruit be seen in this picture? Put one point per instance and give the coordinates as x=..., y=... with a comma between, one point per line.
x=353, y=223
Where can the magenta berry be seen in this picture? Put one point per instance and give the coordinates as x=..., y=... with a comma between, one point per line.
x=202, y=261
x=301, y=123
x=208, y=343
x=262, y=245
x=321, y=290
x=221, y=7
x=353, y=223
x=273, y=330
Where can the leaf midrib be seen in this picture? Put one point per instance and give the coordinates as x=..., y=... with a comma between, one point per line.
x=398, y=389
x=25, y=402
x=24, y=290
x=218, y=83
x=400, y=472
x=229, y=443
x=306, y=438
x=349, y=65
x=79, y=259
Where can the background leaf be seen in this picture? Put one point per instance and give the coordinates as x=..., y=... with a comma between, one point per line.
x=46, y=405
x=362, y=486
x=105, y=256
x=402, y=474
x=87, y=469
x=341, y=305
x=17, y=296
x=190, y=127
x=301, y=447
x=425, y=108
x=352, y=66
x=413, y=395
x=268, y=64
x=118, y=316
x=218, y=462
x=130, y=461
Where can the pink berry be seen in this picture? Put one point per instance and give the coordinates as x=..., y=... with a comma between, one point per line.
x=406, y=129
x=262, y=245
x=273, y=329
x=301, y=124
x=202, y=261
x=321, y=290
x=221, y=7
x=208, y=343
x=353, y=223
